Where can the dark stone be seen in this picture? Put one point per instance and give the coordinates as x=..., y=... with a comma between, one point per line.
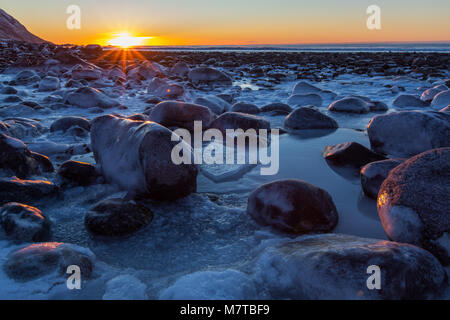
x=293, y=206
x=117, y=217
x=350, y=154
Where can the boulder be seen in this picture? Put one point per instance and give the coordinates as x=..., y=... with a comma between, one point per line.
x=350, y=154
x=309, y=118
x=87, y=97
x=65, y=123
x=305, y=99
x=413, y=202
x=165, y=89
x=39, y=259
x=77, y=172
x=409, y=101
x=237, y=120
x=16, y=158
x=86, y=74
x=117, y=217
x=137, y=156
x=215, y=104
x=26, y=77
x=351, y=105
x=429, y=94
x=181, y=114
x=334, y=266
x=24, y=223
x=374, y=173
x=407, y=133
x=180, y=69
x=208, y=75
x=303, y=88
x=441, y=100
x=27, y=191
x=293, y=206
x=243, y=107
x=277, y=108
x=49, y=84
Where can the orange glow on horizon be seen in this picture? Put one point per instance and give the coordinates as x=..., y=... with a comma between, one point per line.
x=125, y=40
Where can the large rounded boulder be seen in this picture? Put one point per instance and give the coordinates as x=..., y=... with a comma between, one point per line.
x=28, y=191
x=413, y=202
x=24, y=223
x=207, y=75
x=334, y=266
x=86, y=97
x=40, y=259
x=407, y=133
x=117, y=217
x=237, y=120
x=350, y=105
x=137, y=156
x=350, y=154
x=293, y=206
x=181, y=114
x=309, y=118
x=165, y=89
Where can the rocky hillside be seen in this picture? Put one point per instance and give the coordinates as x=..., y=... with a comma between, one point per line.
x=11, y=29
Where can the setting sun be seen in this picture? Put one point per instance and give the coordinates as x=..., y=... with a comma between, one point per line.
x=125, y=40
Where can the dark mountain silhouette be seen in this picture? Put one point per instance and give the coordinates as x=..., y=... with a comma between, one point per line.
x=11, y=29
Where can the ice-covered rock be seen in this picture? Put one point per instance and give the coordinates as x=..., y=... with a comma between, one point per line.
x=65, y=123
x=334, y=266
x=277, y=108
x=409, y=101
x=181, y=114
x=16, y=158
x=20, y=128
x=303, y=88
x=374, y=173
x=125, y=287
x=237, y=120
x=413, y=202
x=351, y=105
x=180, y=69
x=446, y=109
x=86, y=74
x=243, y=107
x=209, y=76
x=309, y=118
x=39, y=259
x=407, y=133
x=24, y=223
x=305, y=99
x=143, y=72
x=165, y=89
x=26, y=77
x=429, y=94
x=8, y=90
x=80, y=173
x=137, y=156
x=293, y=206
x=87, y=97
x=214, y=103
x=211, y=285
x=49, y=84
x=117, y=217
x=350, y=154
x=441, y=100
x=25, y=191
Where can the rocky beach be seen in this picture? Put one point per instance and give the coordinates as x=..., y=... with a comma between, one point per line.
x=86, y=177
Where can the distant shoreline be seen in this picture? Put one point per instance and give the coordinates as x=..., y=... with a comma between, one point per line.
x=442, y=47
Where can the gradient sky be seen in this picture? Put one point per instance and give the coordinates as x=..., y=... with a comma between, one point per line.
x=235, y=22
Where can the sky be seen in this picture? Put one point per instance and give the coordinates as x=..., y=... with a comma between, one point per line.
x=235, y=22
